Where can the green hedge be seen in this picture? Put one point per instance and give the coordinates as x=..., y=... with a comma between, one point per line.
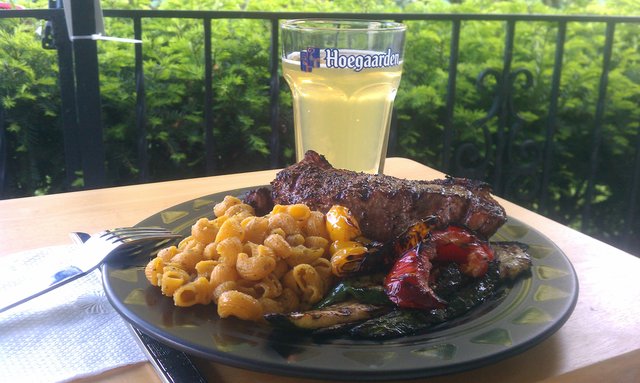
x=174, y=67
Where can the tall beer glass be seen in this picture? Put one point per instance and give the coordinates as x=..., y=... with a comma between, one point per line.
x=343, y=75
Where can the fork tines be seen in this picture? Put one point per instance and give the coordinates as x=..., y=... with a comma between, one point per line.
x=137, y=233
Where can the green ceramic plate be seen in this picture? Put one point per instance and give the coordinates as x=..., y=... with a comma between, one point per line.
x=532, y=310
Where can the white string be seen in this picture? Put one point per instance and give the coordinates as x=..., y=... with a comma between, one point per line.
x=98, y=36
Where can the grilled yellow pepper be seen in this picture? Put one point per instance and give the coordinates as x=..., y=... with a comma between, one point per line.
x=341, y=224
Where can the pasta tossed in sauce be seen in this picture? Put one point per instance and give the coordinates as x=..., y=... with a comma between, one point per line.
x=250, y=265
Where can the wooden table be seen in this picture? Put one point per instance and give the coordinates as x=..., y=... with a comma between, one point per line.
x=600, y=341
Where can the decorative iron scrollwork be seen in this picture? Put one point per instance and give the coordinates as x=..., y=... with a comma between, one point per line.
x=468, y=158
x=48, y=37
x=500, y=154
x=49, y=34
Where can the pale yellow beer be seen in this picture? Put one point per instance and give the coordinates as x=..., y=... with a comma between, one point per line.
x=343, y=114
x=344, y=76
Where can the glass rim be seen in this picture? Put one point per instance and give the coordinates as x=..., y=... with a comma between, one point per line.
x=334, y=25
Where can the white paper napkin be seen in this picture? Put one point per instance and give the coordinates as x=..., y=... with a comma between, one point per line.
x=68, y=333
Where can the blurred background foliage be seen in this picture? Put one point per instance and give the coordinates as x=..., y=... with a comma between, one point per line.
x=174, y=66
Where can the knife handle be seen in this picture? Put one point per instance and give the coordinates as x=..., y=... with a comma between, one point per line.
x=173, y=366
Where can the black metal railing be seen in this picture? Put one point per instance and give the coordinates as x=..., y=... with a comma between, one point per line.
x=80, y=90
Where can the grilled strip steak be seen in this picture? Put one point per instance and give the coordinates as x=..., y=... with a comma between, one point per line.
x=383, y=205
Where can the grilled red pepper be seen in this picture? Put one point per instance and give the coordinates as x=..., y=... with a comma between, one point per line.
x=407, y=284
x=459, y=245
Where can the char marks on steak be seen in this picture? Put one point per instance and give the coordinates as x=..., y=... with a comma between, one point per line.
x=260, y=199
x=385, y=206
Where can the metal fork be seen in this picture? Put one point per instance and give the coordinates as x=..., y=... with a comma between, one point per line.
x=126, y=241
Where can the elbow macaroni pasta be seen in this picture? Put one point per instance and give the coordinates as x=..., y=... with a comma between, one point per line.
x=248, y=265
